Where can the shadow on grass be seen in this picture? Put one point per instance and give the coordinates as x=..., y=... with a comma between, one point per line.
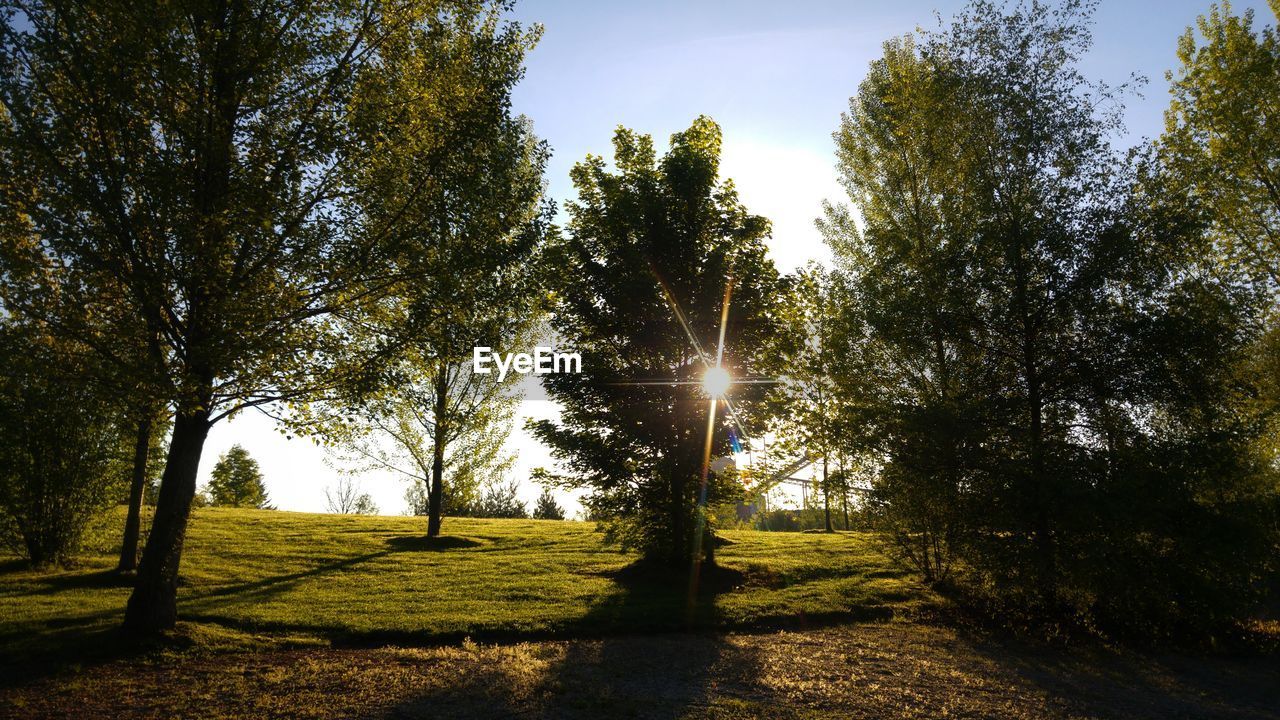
x=83, y=581
x=70, y=647
x=421, y=543
x=647, y=646
x=276, y=584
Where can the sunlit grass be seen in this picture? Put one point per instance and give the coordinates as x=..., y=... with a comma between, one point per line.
x=376, y=578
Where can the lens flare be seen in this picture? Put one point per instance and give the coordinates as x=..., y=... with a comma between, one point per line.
x=716, y=381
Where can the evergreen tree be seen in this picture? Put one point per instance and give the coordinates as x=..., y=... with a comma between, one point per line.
x=236, y=481
x=547, y=508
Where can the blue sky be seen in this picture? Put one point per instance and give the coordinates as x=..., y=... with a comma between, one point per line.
x=776, y=76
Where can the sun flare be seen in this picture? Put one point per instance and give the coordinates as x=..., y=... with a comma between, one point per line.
x=716, y=381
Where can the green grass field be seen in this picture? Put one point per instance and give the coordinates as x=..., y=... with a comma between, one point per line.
x=377, y=579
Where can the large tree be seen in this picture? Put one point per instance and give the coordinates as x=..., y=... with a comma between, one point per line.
x=207, y=163
x=478, y=182
x=649, y=250
x=909, y=380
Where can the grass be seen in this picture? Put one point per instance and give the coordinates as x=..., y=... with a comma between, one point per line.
x=377, y=579
x=321, y=616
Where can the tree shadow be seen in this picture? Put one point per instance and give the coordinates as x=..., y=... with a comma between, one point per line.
x=71, y=646
x=101, y=579
x=645, y=650
x=422, y=543
x=70, y=643
x=1102, y=681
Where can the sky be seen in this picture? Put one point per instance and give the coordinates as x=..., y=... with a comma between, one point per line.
x=776, y=76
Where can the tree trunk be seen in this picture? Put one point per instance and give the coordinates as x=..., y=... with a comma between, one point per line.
x=844, y=492
x=681, y=547
x=1040, y=523
x=133, y=522
x=435, y=496
x=153, y=606
x=826, y=496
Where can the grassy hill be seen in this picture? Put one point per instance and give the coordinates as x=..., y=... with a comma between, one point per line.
x=378, y=579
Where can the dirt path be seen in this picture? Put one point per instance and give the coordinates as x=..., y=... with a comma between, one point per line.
x=858, y=671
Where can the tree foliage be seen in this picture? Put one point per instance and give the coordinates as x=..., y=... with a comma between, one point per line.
x=808, y=351
x=63, y=453
x=218, y=175
x=236, y=481
x=1042, y=370
x=654, y=235
x=547, y=508
x=1222, y=136
x=499, y=499
x=471, y=267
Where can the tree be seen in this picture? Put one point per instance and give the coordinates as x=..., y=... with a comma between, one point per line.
x=148, y=435
x=807, y=357
x=1221, y=147
x=346, y=499
x=910, y=374
x=62, y=449
x=478, y=179
x=203, y=166
x=236, y=481
x=641, y=286
x=444, y=445
x=547, y=508
x=499, y=500
x=1222, y=135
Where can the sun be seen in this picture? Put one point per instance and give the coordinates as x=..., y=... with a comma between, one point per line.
x=716, y=381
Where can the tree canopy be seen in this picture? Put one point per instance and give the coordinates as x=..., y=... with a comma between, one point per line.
x=645, y=260
x=236, y=481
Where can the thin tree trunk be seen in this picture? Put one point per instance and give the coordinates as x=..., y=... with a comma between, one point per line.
x=435, y=496
x=681, y=547
x=153, y=606
x=133, y=521
x=826, y=496
x=844, y=492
